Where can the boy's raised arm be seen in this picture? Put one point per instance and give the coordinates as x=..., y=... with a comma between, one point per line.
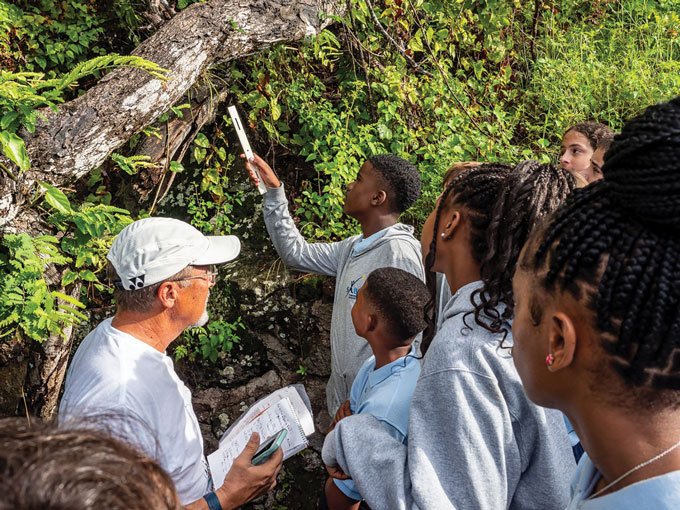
x=294, y=250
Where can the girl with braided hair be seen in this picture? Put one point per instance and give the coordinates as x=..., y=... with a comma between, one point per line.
x=597, y=327
x=475, y=440
x=442, y=292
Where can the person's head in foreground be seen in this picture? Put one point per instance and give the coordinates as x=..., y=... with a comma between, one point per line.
x=44, y=467
x=583, y=149
x=597, y=313
x=390, y=309
x=385, y=185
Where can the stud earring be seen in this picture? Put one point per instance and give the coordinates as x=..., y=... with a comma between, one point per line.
x=549, y=360
x=443, y=234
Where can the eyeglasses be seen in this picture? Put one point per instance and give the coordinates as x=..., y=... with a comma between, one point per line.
x=210, y=277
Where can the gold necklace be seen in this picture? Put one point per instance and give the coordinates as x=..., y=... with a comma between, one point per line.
x=639, y=466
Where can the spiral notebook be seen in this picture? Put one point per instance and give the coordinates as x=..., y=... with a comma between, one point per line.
x=288, y=408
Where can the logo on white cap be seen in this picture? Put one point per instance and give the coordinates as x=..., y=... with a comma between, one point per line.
x=137, y=282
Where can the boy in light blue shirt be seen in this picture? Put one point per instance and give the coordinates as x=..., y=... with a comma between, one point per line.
x=389, y=312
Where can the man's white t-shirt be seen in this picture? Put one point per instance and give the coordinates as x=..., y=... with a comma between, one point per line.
x=134, y=391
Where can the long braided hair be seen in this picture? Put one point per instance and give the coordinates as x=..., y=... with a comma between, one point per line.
x=616, y=248
x=502, y=205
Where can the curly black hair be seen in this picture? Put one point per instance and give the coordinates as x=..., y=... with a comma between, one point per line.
x=599, y=135
x=616, y=248
x=399, y=297
x=503, y=205
x=401, y=177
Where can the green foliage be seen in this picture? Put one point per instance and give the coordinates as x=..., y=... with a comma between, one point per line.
x=29, y=303
x=53, y=36
x=209, y=195
x=132, y=164
x=218, y=336
x=88, y=232
x=425, y=95
x=433, y=81
x=607, y=71
x=438, y=82
x=47, y=35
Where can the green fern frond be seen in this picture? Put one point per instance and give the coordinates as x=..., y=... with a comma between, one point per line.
x=132, y=164
x=104, y=63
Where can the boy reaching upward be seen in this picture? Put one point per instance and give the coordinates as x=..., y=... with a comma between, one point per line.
x=384, y=188
x=389, y=313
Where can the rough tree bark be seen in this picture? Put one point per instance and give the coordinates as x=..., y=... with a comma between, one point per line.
x=82, y=133
x=157, y=12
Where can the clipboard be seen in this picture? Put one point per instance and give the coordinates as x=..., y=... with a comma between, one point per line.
x=238, y=125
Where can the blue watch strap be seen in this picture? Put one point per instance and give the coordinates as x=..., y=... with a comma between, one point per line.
x=213, y=502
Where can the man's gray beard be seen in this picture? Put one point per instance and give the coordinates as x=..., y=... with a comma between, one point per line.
x=202, y=320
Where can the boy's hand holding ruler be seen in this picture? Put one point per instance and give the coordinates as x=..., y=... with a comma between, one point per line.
x=240, y=131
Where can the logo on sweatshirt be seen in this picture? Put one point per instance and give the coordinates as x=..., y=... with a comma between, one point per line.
x=354, y=286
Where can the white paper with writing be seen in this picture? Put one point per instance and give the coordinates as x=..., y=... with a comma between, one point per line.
x=282, y=409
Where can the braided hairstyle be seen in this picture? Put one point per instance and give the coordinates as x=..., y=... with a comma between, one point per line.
x=615, y=247
x=503, y=205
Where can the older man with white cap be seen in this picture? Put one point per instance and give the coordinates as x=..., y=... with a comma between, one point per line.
x=162, y=270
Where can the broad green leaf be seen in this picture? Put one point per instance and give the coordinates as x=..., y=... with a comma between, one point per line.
x=14, y=148
x=56, y=198
x=68, y=277
x=276, y=110
x=176, y=166
x=8, y=119
x=202, y=141
x=88, y=276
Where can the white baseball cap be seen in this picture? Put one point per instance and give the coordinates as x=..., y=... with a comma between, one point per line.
x=151, y=250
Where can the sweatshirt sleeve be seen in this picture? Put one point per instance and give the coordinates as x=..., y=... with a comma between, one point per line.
x=377, y=462
x=294, y=250
x=460, y=448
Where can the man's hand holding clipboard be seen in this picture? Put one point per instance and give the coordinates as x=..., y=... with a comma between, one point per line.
x=261, y=174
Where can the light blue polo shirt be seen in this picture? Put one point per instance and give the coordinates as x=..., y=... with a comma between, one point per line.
x=364, y=243
x=386, y=394
x=658, y=493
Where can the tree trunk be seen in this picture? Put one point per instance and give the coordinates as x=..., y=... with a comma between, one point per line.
x=82, y=133
x=80, y=136
x=46, y=370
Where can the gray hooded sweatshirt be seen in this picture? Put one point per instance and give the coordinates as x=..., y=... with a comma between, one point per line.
x=474, y=442
x=396, y=248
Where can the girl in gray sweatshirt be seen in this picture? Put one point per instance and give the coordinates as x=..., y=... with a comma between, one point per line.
x=475, y=440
